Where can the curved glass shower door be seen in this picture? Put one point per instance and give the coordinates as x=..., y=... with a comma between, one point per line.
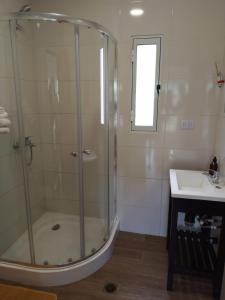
x=94, y=123
x=46, y=75
x=59, y=158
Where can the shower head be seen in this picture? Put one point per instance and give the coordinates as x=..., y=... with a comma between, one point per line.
x=25, y=8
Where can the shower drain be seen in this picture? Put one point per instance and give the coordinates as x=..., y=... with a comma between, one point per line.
x=110, y=287
x=56, y=227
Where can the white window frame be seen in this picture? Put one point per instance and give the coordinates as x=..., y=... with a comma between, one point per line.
x=156, y=40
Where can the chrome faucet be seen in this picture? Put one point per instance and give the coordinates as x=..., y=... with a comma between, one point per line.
x=215, y=177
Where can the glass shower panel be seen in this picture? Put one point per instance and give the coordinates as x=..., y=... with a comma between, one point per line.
x=95, y=137
x=112, y=117
x=47, y=69
x=14, y=241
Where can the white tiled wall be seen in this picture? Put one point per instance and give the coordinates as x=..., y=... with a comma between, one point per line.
x=192, y=42
x=12, y=5
x=220, y=133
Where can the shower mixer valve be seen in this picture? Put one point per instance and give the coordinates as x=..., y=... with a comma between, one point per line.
x=30, y=145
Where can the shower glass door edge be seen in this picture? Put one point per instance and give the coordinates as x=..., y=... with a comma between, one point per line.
x=12, y=24
x=80, y=140
x=106, y=100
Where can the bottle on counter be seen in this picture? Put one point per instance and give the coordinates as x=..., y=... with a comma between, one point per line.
x=213, y=167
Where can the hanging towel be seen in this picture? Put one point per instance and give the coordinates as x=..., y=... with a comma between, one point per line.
x=4, y=130
x=5, y=122
x=3, y=115
x=2, y=110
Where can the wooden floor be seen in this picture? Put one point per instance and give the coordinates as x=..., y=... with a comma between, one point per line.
x=139, y=269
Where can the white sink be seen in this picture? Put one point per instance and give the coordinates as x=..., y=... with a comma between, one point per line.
x=195, y=185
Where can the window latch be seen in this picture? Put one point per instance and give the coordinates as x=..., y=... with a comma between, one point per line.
x=158, y=88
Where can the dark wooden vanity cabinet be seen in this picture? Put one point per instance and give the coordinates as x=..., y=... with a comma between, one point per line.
x=191, y=252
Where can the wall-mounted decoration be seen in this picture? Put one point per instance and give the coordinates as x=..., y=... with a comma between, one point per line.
x=220, y=78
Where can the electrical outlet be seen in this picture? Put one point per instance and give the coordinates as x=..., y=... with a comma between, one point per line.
x=187, y=124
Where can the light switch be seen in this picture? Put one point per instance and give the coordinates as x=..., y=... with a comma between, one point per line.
x=187, y=124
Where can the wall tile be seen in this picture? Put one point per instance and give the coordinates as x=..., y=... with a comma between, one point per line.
x=139, y=162
x=10, y=172
x=61, y=185
x=12, y=217
x=53, y=34
x=5, y=57
x=55, y=61
x=186, y=159
x=202, y=136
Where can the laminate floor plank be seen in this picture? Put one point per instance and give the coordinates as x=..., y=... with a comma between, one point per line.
x=138, y=267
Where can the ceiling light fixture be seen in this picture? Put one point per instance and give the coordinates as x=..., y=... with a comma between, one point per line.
x=136, y=12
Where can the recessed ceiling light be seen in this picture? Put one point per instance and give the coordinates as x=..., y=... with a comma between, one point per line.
x=136, y=12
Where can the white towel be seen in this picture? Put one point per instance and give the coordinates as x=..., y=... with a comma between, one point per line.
x=2, y=110
x=3, y=115
x=4, y=130
x=5, y=122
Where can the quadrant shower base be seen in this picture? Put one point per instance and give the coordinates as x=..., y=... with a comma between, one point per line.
x=57, y=240
x=59, y=275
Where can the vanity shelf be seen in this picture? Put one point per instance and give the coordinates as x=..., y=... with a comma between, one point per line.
x=195, y=255
x=190, y=251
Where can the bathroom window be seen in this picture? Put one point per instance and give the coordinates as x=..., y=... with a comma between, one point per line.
x=145, y=85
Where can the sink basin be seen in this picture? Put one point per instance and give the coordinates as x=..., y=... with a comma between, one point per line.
x=195, y=185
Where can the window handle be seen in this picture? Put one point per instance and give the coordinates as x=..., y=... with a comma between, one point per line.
x=158, y=88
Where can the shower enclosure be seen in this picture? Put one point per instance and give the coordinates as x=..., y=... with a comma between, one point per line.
x=58, y=163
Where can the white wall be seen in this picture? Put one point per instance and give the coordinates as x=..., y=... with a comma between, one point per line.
x=220, y=134
x=220, y=138
x=187, y=75
x=192, y=43
x=12, y=5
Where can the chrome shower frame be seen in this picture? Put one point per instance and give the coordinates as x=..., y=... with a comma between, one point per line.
x=60, y=18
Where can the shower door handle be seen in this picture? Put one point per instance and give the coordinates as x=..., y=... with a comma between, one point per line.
x=87, y=151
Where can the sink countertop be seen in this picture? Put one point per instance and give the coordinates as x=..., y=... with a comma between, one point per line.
x=195, y=185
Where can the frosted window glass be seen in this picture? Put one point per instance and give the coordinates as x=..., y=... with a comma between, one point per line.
x=145, y=85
